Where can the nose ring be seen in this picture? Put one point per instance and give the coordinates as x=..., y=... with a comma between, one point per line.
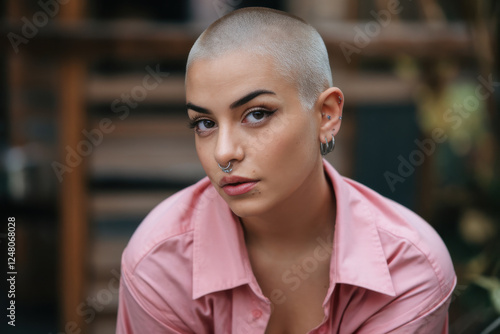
x=226, y=169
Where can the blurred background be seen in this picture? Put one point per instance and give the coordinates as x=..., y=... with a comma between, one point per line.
x=93, y=134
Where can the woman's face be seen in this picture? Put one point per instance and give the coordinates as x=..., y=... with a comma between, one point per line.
x=244, y=112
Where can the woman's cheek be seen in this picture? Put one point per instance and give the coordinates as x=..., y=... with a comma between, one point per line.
x=204, y=156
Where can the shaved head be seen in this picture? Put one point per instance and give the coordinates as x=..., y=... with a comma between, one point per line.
x=296, y=48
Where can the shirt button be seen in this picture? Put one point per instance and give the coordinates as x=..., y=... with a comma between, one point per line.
x=257, y=314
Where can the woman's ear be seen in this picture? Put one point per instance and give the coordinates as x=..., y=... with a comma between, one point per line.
x=330, y=104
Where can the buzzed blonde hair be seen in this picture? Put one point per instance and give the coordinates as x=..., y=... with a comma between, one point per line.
x=295, y=46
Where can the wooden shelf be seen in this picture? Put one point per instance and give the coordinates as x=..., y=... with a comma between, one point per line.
x=420, y=40
x=105, y=89
x=358, y=88
x=172, y=42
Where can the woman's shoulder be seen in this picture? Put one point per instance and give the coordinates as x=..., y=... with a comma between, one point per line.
x=169, y=222
x=407, y=238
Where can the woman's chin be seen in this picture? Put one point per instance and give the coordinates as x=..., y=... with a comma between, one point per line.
x=247, y=207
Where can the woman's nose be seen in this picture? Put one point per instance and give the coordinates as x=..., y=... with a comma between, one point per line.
x=229, y=146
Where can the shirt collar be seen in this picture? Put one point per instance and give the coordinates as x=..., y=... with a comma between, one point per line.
x=220, y=258
x=358, y=256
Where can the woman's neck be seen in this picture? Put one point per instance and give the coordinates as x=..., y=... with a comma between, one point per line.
x=296, y=224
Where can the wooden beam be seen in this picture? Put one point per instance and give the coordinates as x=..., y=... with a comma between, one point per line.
x=73, y=195
x=16, y=73
x=73, y=190
x=419, y=40
x=173, y=41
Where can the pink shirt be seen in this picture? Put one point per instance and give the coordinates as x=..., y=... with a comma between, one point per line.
x=186, y=269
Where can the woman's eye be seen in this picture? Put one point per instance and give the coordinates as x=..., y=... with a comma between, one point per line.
x=258, y=116
x=205, y=124
x=201, y=126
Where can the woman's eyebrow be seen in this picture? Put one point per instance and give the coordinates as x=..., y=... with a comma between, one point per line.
x=238, y=103
x=250, y=96
x=197, y=108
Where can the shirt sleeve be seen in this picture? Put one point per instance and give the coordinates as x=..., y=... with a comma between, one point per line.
x=133, y=316
x=430, y=316
x=435, y=321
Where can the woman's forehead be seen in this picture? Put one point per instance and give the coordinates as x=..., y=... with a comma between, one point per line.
x=233, y=71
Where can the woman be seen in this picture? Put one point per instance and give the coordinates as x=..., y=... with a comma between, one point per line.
x=274, y=240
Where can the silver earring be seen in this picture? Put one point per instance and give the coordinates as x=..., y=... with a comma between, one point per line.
x=329, y=117
x=340, y=99
x=226, y=169
x=328, y=147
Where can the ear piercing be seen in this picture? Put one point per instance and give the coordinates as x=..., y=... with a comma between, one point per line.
x=330, y=117
x=327, y=147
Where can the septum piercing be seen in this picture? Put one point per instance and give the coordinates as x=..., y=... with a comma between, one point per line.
x=226, y=169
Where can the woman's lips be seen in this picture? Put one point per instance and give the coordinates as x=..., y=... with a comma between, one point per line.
x=234, y=189
x=234, y=185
